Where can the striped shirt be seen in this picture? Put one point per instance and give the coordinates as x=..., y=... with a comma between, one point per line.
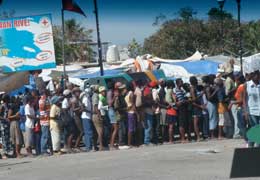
x=180, y=94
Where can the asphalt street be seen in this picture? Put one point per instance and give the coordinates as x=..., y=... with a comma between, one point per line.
x=196, y=161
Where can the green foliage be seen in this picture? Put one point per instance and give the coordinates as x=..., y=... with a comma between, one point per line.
x=180, y=37
x=187, y=14
x=216, y=14
x=76, y=45
x=134, y=49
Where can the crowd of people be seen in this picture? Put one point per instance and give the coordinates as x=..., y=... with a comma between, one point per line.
x=139, y=113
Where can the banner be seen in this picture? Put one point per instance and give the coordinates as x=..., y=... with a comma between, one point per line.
x=26, y=43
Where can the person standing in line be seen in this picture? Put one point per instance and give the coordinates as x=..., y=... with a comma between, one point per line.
x=205, y=115
x=157, y=112
x=112, y=93
x=29, y=124
x=87, y=119
x=252, y=101
x=139, y=111
x=55, y=124
x=149, y=113
x=222, y=108
x=37, y=126
x=212, y=101
x=96, y=118
x=182, y=109
x=44, y=110
x=131, y=113
x=5, y=128
x=122, y=115
x=68, y=122
x=197, y=106
x=22, y=120
x=172, y=109
x=242, y=122
x=76, y=107
x=230, y=89
x=15, y=132
x=103, y=109
x=163, y=108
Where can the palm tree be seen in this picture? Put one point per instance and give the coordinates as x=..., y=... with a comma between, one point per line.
x=77, y=40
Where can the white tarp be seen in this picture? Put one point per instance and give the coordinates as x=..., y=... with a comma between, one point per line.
x=251, y=63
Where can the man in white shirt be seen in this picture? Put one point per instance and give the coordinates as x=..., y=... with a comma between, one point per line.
x=87, y=119
x=29, y=125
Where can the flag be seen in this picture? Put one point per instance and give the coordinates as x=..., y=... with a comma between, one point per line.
x=71, y=5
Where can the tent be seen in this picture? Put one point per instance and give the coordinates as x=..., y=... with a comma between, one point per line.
x=201, y=67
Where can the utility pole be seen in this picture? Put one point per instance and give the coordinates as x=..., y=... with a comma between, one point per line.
x=100, y=61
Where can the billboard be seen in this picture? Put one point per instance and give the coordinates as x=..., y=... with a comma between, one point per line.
x=26, y=43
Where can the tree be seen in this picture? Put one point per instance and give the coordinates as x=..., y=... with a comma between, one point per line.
x=186, y=14
x=134, y=48
x=77, y=40
x=180, y=37
x=215, y=14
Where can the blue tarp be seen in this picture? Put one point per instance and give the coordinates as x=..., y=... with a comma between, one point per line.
x=193, y=67
x=20, y=90
x=111, y=72
x=199, y=67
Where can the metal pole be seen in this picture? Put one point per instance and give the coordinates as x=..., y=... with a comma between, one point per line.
x=240, y=34
x=100, y=61
x=222, y=29
x=63, y=49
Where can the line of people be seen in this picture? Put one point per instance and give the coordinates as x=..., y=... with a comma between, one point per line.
x=129, y=115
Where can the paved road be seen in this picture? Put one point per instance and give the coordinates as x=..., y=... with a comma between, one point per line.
x=179, y=162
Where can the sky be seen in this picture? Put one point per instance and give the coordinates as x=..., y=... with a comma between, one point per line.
x=123, y=20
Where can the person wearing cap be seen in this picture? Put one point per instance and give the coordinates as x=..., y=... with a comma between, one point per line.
x=87, y=119
x=76, y=107
x=121, y=115
x=103, y=109
x=55, y=124
x=112, y=93
x=96, y=117
x=68, y=122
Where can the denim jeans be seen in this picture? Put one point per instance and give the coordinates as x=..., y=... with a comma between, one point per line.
x=241, y=123
x=45, y=139
x=234, y=114
x=254, y=120
x=37, y=142
x=148, y=126
x=88, y=133
x=106, y=130
x=213, y=119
